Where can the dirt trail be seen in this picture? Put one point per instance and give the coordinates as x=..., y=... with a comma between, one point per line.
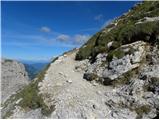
x=73, y=96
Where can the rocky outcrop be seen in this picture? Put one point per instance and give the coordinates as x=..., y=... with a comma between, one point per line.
x=134, y=77
x=133, y=54
x=14, y=77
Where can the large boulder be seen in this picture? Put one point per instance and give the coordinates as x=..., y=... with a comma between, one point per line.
x=133, y=56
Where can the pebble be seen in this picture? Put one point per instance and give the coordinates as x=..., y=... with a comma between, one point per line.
x=94, y=84
x=60, y=73
x=98, y=92
x=18, y=100
x=69, y=81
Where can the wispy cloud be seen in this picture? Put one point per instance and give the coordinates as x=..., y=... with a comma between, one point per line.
x=98, y=17
x=63, y=37
x=80, y=39
x=77, y=39
x=39, y=40
x=45, y=29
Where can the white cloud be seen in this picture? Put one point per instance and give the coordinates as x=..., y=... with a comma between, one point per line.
x=45, y=29
x=106, y=23
x=75, y=39
x=98, y=17
x=80, y=39
x=63, y=37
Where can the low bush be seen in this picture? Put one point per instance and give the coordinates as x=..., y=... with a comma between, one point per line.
x=118, y=53
x=142, y=110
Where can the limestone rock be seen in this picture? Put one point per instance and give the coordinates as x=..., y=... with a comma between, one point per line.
x=130, y=61
x=14, y=77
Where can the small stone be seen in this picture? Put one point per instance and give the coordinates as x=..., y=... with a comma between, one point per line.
x=69, y=81
x=98, y=92
x=60, y=73
x=65, y=55
x=18, y=100
x=94, y=106
x=94, y=84
x=114, y=90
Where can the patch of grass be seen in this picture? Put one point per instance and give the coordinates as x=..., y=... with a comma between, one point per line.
x=131, y=51
x=114, y=45
x=31, y=99
x=142, y=110
x=85, y=50
x=30, y=96
x=125, y=78
x=7, y=115
x=118, y=53
x=8, y=60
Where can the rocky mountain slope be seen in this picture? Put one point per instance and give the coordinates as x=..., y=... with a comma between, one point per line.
x=114, y=75
x=14, y=77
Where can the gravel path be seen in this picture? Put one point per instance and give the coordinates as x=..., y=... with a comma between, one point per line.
x=73, y=96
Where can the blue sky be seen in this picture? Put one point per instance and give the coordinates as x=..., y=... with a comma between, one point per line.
x=42, y=30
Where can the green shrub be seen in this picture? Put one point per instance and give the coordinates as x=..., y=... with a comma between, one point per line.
x=131, y=51
x=118, y=53
x=142, y=110
x=8, y=60
x=30, y=94
x=125, y=78
x=85, y=51
x=114, y=45
x=99, y=49
x=7, y=115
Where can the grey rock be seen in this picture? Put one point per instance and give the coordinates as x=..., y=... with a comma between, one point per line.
x=14, y=77
x=22, y=114
x=117, y=67
x=90, y=76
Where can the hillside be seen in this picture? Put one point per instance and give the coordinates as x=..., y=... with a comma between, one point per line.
x=115, y=75
x=140, y=23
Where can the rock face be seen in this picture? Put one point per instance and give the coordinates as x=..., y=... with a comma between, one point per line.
x=115, y=75
x=14, y=77
x=128, y=62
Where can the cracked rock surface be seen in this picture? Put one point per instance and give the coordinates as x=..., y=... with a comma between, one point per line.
x=14, y=77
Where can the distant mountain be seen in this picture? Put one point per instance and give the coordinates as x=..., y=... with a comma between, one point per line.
x=34, y=68
x=33, y=61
